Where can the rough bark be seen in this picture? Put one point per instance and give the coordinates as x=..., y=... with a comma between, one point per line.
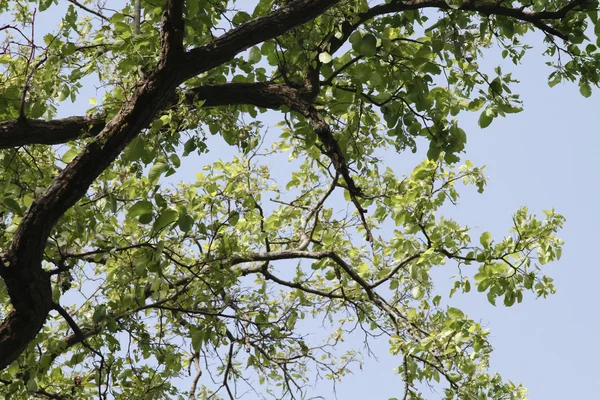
x=23, y=132
x=27, y=284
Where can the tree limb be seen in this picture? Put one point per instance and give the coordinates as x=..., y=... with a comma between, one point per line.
x=23, y=132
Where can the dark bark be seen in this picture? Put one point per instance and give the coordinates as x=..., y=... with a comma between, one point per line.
x=487, y=7
x=255, y=31
x=27, y=284
x=31, y=296
x=23, y=132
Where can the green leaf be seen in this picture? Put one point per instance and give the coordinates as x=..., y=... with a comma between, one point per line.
x=366, y=45
x=186, y=222
x=32, y=385
x=99, y=313
x=135, y=150
x=45, y=4
x=197, y=336
x=585, y=89
x=240, y=18
x=418, y=292
x=325, y=58
x=69, y=156
x=68, y=49
x=485, y=239
x=234, y=217
x=455, y=4
x=159, y=168
x=145, y=218
x=142, y=207
x=255, y=55
x=12, y=205
x=555, y=80
x=455, y=313
x=189, y=146
x=166, y=218
x=509, y=299
x=64, y=92
x=485, y=119
x=491, y=296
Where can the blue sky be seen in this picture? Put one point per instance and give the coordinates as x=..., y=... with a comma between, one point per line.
x=544, y=157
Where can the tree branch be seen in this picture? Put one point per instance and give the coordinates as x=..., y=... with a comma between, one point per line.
x=482, y=7
x=23, y=132
x=96, y=13
x=28, y=285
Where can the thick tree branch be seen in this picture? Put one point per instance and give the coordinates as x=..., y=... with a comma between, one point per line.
x=255, y=31
x=22, y=132
x=28, y=285
x=483, y=7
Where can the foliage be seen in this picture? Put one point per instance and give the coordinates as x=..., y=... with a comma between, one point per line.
x=117, y=284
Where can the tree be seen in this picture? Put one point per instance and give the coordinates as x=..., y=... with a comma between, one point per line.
x=217, y=275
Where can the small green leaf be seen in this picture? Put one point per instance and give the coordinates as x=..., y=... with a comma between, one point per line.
x=32, y=385
x=165, y=219
x=234, y=217
x=135, y=150
x=417, y=292
x=69, y=156
x=491, y=296
x=325, y=58
x=196, y=335
x=63, y=92
x=240, y=18
x=99, y=313
x=255, y=55
x=186, y=222
x=485, y=119
x=455, y=313
x=585, y=89
x=189, y=146
x=12, y=205
x=45, y=4
x=483, y=285
x=159, y=168
x=368, y=46
x=142, y=207
x=455, y=4
x=485, y=239
x=509, y=299
x=145, y=219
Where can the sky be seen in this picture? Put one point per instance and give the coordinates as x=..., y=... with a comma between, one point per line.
x=543, y=157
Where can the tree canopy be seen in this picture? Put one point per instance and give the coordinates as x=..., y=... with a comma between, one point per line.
x=119, y=283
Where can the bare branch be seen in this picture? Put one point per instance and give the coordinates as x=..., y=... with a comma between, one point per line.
x=96, y=13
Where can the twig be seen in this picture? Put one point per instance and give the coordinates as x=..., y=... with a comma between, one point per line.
x=96, y=13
